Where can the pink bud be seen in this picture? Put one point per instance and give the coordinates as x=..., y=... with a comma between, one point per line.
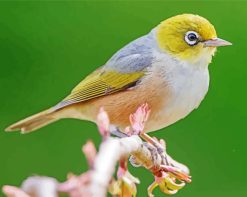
x=103, y=123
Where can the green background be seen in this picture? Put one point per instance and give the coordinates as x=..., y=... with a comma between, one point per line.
x=46, y=48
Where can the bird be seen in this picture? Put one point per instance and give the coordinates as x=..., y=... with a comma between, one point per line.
x=167, y=68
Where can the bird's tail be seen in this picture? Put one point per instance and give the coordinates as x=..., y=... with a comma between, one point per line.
x=34, y=122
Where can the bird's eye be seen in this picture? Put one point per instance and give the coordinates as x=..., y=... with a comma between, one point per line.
x=191, y=38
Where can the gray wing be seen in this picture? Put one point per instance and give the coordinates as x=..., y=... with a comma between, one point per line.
x=134, y=57
x=130, y=62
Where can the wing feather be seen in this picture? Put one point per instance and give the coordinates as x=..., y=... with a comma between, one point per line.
x=100, y=84
x=122, y=71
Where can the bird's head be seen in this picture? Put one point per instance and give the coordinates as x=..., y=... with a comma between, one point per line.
x=189, y=37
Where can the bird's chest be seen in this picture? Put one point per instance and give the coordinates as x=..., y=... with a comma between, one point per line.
x=188, y=86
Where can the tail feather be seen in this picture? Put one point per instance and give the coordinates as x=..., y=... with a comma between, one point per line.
x=33, y=122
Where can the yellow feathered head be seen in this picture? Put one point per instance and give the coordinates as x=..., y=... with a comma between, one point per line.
x=188, y=37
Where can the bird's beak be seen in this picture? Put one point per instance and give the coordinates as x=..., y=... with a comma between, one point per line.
x=216, y=42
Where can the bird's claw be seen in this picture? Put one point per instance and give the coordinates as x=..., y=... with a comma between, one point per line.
x=156, y=156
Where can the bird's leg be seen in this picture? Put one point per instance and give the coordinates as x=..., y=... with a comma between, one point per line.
x=152, y=141
x=115, y=131
x=138, y=120
x=160, y=147
x=166, y=166
x=154, y=154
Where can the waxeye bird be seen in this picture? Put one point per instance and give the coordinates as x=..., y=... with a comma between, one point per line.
x=167, y=69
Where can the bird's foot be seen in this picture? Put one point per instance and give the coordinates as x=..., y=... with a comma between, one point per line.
x=115, y=131
x=159, y=145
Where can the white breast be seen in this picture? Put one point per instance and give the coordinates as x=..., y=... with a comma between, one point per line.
x=188, y=85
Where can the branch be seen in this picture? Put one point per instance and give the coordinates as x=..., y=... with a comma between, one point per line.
x=112, y=150
x=150, y=153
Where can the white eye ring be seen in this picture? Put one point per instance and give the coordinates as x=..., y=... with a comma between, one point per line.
x=191, y=37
